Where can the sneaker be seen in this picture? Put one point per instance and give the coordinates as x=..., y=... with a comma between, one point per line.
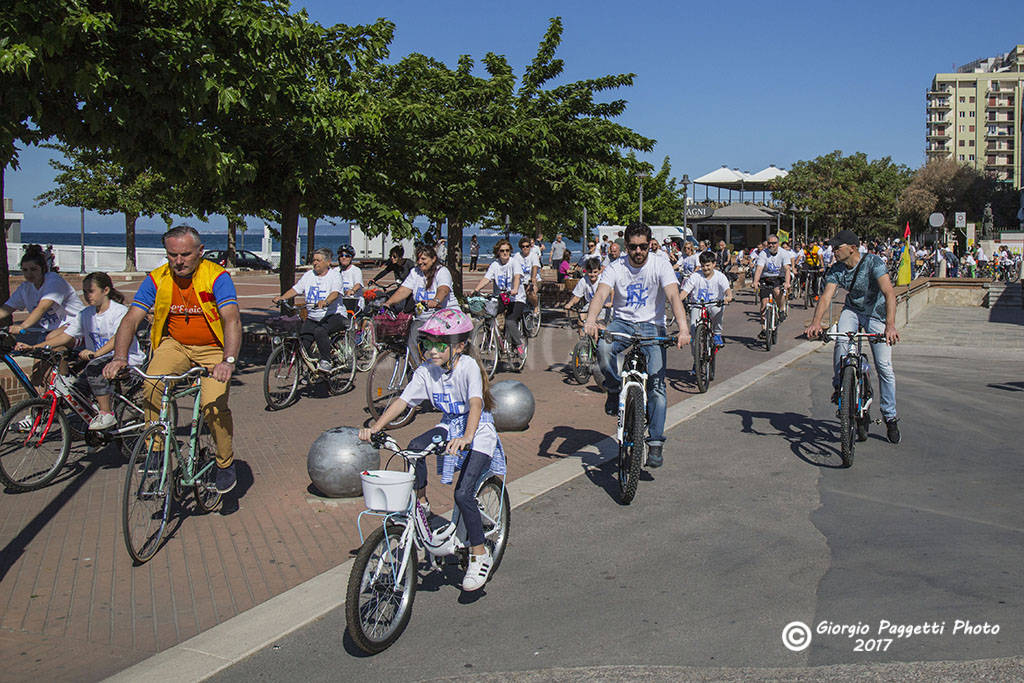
x=102, y=421
x=24, y=425
x=324, y=366
x=477, y=572
x=892, y=430
x=761, y=334
x=654, y=458
x=717, y=339
x=611, y=403
x=226, y=478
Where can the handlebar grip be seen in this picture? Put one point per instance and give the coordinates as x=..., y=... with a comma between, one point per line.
x=378, y=439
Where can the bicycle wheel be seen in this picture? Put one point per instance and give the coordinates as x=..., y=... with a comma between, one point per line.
x=703, y=345
x=366, y=349
x=1013, y=275
x=343, y=372
x=205, y=487
x=847, y=413
x=281, y=376
x=769, y=327
x=34, y=444
x=387, y=379
x=516, y=360
x=146, y=503
x=531, y=320
x=582, y=358
x=5, y=402
x=631, y=451
x=378, y=602
x=714, y=362
x=484, y=341
x=496, y=513
x=809, y=292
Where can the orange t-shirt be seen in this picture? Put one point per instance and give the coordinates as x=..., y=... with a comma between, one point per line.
x=186, y=322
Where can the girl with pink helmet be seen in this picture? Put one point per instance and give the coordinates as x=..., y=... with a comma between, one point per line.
x=453, y=380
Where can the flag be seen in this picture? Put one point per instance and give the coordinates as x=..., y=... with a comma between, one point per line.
x=904, y=275
x=783, y=235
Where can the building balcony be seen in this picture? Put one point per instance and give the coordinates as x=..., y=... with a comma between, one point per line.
x=1000, y=165
x=938, y=104
x=1001, y=105
x=937, y=152
x=935, y=135
x=1000, y=134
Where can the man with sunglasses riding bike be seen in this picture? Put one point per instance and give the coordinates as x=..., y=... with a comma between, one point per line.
x=641, y=285
x=772, y=275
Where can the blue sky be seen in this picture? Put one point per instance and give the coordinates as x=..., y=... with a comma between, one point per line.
x=741, y=83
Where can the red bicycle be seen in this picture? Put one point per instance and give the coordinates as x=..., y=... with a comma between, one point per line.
x=704, y=347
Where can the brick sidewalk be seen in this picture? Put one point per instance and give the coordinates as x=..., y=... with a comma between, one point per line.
x=74, y=607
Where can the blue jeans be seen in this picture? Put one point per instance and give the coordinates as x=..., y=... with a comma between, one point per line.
x=607, y=358
x=850, y=321
x=473, y=468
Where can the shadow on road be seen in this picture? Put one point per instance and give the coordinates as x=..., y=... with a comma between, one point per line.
x=570, y=441
x=813, y=441
x=1007, y=386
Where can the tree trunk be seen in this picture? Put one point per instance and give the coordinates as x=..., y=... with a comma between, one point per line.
x=5, y=289
x=310, y=238
x=454, y=261
x=229, y=257
x=129, y=242
x=289, y=231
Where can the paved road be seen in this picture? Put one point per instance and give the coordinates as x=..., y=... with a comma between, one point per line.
x=749, y=526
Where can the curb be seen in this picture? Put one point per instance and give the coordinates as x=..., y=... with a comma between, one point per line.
x=210, y=652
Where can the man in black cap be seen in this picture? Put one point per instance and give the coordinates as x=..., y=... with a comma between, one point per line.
x=870, y=305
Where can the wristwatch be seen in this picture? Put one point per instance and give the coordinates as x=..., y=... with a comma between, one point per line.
x=230, y=360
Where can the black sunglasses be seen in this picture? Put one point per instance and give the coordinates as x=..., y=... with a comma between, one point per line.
x=642, y=247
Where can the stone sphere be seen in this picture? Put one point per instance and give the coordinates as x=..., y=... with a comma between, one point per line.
x=513, y=405
x=336, y=459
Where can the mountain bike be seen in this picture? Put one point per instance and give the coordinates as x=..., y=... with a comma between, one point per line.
x=488, y=339
x=289, y=364
x=36, y=434
x=770, y=317
x=393, y=368
x=382, y=585
x=812, y=289
x=631, y=430
x=854, y=391
x=704, y=344
x=584, y=353
x=159, y=470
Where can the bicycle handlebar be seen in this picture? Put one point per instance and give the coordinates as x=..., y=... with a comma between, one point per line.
x=705, y=304
x=873, y=337
x=192, y=372
x=386, y=441
x=640, y=339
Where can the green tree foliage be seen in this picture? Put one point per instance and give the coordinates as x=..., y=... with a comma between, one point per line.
x=847, y=192
x=946, y=186
x=619, y=198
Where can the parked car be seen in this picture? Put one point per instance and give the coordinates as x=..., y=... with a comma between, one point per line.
x=243, y=259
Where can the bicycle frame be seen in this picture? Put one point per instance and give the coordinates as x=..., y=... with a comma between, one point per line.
x=856, y=358
x=188, y=476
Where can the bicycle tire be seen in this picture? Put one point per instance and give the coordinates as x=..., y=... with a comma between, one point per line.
x=517, y=362
x=582, y=358
x=485, y=343
x=343, y=361
x=532, y=321
x=775, y=336
x=808, y=293
x=5, y=401
x=281, y=376
x=147, y=495
x=372, y=588
x=496, y=513
x=129, y=412
x=31, y=462
x=703, y=361
x=714, y=363
x=380, y=392
x=769, y=327
x=207, y=497
x=366, y=350
x=847, y=411
x=631, y=453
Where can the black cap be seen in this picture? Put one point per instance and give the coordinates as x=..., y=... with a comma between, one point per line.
x=845, y=237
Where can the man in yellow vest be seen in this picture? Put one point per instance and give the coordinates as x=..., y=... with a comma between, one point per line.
x=196, y=322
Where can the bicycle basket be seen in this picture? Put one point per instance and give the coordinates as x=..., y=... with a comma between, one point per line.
x=481, y=307
x=285, y=324
x=386, y=490
x=386, y=326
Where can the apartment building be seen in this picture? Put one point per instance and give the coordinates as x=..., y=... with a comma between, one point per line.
x=975, y=115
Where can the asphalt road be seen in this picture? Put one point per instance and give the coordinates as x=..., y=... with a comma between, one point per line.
x=751, y=525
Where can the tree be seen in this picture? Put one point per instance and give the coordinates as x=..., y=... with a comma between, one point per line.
x=850, y=193
x=618, y=203
x=946, y=186
x=90, y=181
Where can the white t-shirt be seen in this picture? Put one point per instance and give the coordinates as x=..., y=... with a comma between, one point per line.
x=661, y=253
x=418, y=284
x=350, y=277
x=701, y=289
x=535, y=260
x=525, y=264
x=96, y=329
x=826, y=255
x=981, y=255
x=450, y=393
x=315, y=288
x=862, y=248
x=688, y=265
x=639, y=292
x=773, y=265
x=55, y=288
x=585, y=289
x=607, y=260
x=502, y=277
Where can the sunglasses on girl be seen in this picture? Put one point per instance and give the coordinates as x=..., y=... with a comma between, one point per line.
x=433, y=345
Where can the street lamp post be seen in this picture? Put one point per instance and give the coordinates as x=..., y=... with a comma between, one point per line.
x=685, y=180
x=82, y=224
x=641, y=175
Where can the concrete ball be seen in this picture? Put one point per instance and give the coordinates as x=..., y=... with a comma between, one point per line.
x=513, y=405
x=336, y=459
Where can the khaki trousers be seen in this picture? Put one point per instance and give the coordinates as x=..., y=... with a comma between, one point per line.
x=174, y=358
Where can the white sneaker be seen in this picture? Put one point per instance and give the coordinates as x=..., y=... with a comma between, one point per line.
x=324, y=366
x=477, y=572
x=102, y=421
x=24, y=425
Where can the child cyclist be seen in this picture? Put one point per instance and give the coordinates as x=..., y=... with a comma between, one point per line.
x=455, y=384
x=587, y=285
x=96, y=325
x=707, y=284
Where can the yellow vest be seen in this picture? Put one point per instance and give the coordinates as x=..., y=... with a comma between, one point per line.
x=202, y=284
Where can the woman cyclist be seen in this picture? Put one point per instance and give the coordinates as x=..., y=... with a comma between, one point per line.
x=351, y=277
x=509, y=281
x=453, y=380
x=321, y=288
x=429, y=284
x=49, y=299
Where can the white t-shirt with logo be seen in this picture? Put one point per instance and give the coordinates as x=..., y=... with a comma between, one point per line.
x=772, y=264
x=350, y=277
x=585, y=289
x=56, y=289
x=418, y=284
x=96, y=329
x=689, y=265
x=702, y=290
x=639, y=292
x=315, y=288
x=502, y=277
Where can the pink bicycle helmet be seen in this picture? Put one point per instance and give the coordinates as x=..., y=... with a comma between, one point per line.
x=448, y=324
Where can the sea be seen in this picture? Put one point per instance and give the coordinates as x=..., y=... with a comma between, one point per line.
x=219, y=240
